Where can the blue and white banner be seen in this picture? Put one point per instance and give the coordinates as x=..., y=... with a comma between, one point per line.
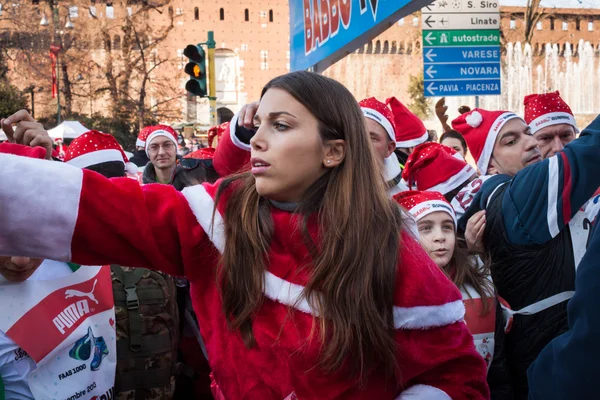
x=323, y=31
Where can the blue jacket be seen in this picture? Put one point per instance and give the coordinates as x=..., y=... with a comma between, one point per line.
x=537, y=230
x=567, y=368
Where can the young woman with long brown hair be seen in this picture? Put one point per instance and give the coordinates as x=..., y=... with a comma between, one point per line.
x=436, y=223
x=302, y=277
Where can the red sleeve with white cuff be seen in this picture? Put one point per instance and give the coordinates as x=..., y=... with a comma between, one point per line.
x=232, y=155
x=57, y=211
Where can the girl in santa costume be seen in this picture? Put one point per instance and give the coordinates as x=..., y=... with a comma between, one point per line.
x=304, y=282
x=436, y=224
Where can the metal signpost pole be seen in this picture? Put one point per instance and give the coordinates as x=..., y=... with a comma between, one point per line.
x=212, y=86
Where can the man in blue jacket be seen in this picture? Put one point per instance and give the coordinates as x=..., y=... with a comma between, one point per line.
x=567, y=368
x=538, y=220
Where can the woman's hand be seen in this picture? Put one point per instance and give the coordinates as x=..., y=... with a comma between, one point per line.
x=27, y=131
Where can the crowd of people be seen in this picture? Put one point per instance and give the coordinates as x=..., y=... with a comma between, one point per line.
x=326, y=248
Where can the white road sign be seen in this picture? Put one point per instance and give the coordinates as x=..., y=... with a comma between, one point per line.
x=460, y=21
x=461, y=6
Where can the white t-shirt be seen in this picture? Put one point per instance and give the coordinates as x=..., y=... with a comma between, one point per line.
x=15, y=364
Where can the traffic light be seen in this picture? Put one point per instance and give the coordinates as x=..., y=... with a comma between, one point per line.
x=196, y=69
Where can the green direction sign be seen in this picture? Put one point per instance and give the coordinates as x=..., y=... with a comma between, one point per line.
x=461, y=38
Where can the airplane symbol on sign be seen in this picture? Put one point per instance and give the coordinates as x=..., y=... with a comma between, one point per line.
x=443, y=21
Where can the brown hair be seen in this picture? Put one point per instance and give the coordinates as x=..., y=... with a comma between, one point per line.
x=463, y=269
x=353, y=271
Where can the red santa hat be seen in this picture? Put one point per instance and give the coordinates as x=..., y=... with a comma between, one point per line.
x=161, y=130
x=95, y=147
x=480, y=129
x=542, y=110
x=380, y=113
x=205, y=153
x=143, y=136
x=410, y=130
x=420, y=204
x=435, y=167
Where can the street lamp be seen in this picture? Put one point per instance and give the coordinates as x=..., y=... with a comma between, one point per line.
x=56, y=48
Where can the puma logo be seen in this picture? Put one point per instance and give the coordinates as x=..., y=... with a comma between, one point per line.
x=76, y=293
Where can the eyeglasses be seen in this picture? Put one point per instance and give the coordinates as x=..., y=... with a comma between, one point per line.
x=167, y=146
x=193, y=163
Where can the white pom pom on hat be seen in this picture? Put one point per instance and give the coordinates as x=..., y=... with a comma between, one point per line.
x=474, y=119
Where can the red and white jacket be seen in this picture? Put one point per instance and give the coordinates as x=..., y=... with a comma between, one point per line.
x=90, y=220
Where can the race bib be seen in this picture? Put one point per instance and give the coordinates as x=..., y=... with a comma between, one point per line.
x=67, y=327
x=581, y=228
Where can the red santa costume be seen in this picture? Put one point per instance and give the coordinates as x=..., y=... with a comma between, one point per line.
x=482, y=327
x=94, y=219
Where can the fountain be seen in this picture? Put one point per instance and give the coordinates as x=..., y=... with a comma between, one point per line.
x=571, y=69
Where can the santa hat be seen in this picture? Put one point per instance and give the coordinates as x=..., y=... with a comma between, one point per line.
x=410, y=130
x=95, y=147
x=435, y=167
x=143, y=135
x=380, y=113
x=205, y=153
x=542, y=110
x=480, y=129
x=161, y=130
x=420, y=204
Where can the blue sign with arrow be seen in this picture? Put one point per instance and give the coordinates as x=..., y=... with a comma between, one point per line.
x=461, y=54
x=461, y=51
x=462, y=71
x=470, y=87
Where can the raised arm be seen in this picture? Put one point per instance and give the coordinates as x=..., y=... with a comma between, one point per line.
x=542, y=199
x=233, y=151
x=56, y=211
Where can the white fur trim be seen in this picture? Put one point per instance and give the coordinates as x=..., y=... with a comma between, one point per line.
x=156, y=134
x=392, y=167
x=459, y=156
x=490, y=140
x=286, y=293
x=234, y=139
x=39, y=205
x=430, y=206
x=96, y=157
x=202, y=206
x=413, y=142
x=425, y=317
x=399, y=188
x=454, y=181
x=474, y=119
x=140, y=143
x=553, y=118
x=551, y=211
x=131, y=168
x=381, y=120
x=423, y=392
